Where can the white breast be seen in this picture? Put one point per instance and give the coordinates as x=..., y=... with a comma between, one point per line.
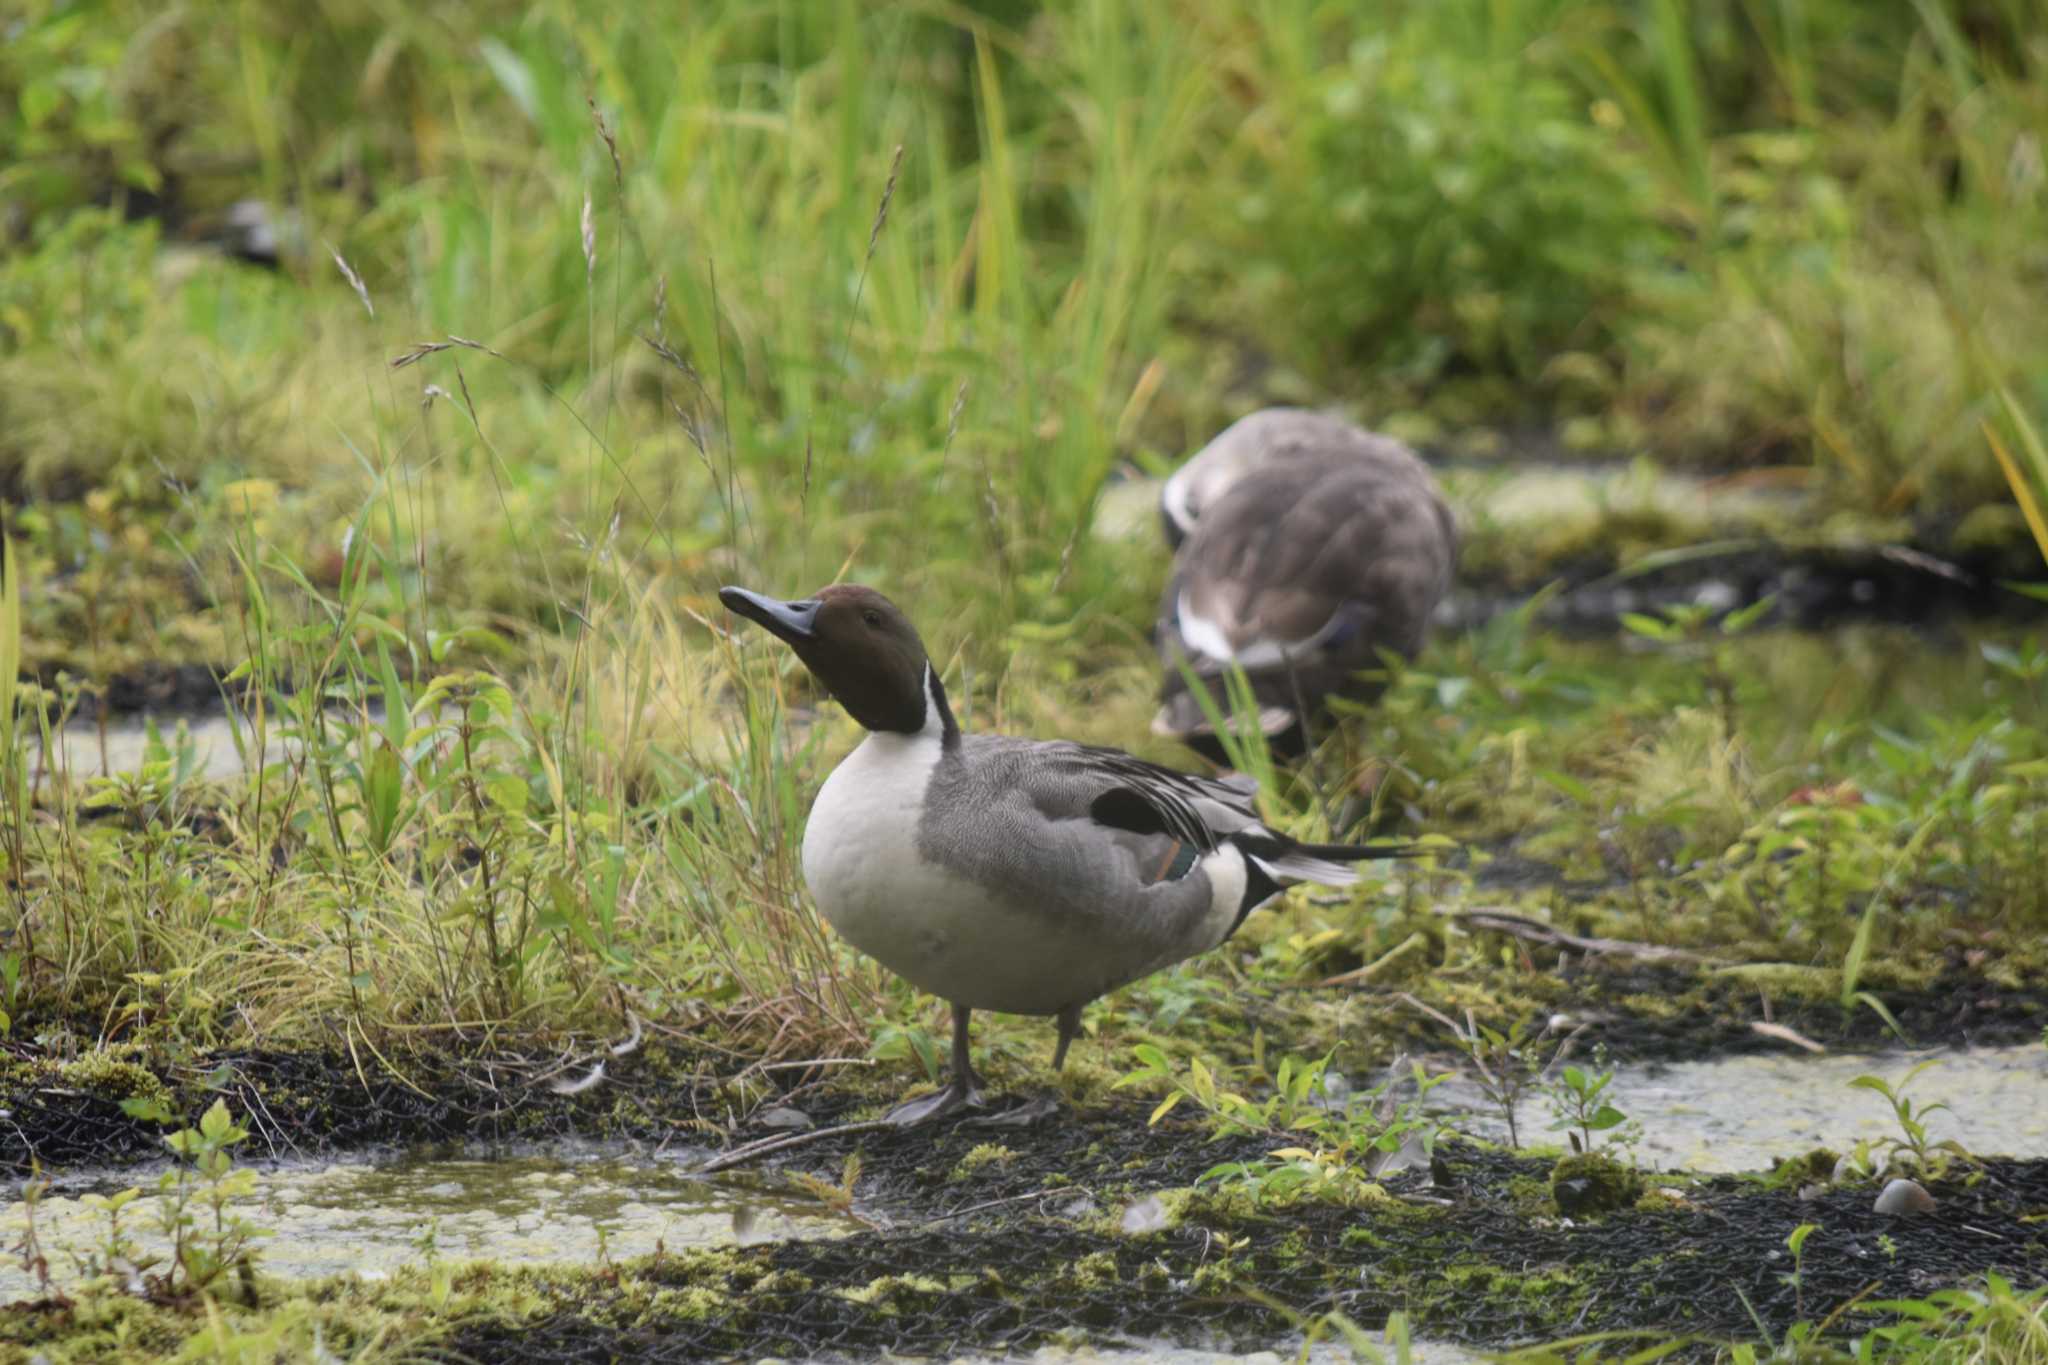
x=864, y=869
x=986, y=947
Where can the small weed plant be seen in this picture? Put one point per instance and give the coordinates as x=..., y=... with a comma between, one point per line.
x=1504, y=1064
x=1796, y=1244
x=1913, y=1147
x=198, y=1215
x=1337, y=1144
x=1582, y=1104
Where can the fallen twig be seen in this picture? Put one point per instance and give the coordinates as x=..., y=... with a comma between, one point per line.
x=1521, y=926
x=1007, y=1199
x=1786, y=1035
x=739, y=1156
x=1360, y=975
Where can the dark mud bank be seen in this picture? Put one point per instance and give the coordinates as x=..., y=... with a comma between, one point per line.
x=1475, y=1260
x=64, y=1106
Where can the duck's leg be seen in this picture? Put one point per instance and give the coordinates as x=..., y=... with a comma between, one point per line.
x=1070, y=1029
x=963, y=1091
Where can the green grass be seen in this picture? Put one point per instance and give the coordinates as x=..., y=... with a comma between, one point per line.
x=804, y=291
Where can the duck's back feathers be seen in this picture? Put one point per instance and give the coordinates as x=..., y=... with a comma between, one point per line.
x=1128, y=831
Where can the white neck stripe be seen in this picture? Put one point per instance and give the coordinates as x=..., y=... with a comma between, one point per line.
x=934, y=720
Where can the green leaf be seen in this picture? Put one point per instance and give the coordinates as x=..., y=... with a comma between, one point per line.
x=216, y=1122
x=383, y=794
x=514, y=75
x=1570, y=786
x=1859, y=951
x=1742, y=618
x=507, y=791
x=148, y=1108
x=40, y=100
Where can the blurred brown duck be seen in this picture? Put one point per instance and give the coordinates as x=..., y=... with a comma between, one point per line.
x=1306, y=545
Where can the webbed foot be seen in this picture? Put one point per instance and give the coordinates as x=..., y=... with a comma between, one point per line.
x=925, y=1108
x=1025, y=1115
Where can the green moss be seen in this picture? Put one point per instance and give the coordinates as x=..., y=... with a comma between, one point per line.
x=1592, y=1184
x=893, y=1293
x=1651, y=1005
x=1095, y=1271
x=1212, y=1206
x=1530, y=1197
x=1660, y=1201
x=987, y=1154
x=111, y=1074
x=1793, y=1172
x=1786, y=980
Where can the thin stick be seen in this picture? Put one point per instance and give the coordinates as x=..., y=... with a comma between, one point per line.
x=1007, y=1199
x=1770, y=1030
x=738, y=1156
x=1520, y=926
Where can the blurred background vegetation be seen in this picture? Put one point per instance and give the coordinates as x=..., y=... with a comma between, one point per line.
x=431, y=365
x=1799, y=242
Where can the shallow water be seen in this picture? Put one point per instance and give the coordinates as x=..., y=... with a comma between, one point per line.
x=1744, y=1113
x=372, y=1218
x=85, y=752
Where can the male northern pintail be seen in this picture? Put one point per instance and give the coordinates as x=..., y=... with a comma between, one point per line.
x=1000, y=873
x=1305, y=547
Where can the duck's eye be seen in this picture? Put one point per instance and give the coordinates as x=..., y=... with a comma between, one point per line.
x=872, y=617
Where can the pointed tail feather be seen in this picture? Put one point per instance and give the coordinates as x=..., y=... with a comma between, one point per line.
x=1358, y=853
x=1274, y=861
x=1296, y=867
x=1331, y=864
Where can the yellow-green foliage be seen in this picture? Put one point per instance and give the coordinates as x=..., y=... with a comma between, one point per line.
x=1593, y=1183
x=985, y=1154
x=112, y=1074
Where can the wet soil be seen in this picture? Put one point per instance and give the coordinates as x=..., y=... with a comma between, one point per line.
x=1476, y=1261
x=309, y=1102
x=992, y=1238
x=313, y=1101
x=1811, y=589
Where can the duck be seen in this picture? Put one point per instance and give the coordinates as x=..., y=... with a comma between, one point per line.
x=1304, y=546
x=1005, y=873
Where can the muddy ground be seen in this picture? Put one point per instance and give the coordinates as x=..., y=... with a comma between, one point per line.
x=307, y=1102
x=987, y=1238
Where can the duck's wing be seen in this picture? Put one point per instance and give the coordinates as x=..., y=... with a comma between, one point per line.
x=1125, y=793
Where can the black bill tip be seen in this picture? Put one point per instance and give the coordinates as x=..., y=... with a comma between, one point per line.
x=795, y=622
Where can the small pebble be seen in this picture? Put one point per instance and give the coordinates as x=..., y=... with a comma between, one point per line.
x=1905, y=1196
x=1716, y=595
x=782, y=1116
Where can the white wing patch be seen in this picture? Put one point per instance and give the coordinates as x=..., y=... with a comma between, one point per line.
x=1175, y=500
x=1208, y=638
